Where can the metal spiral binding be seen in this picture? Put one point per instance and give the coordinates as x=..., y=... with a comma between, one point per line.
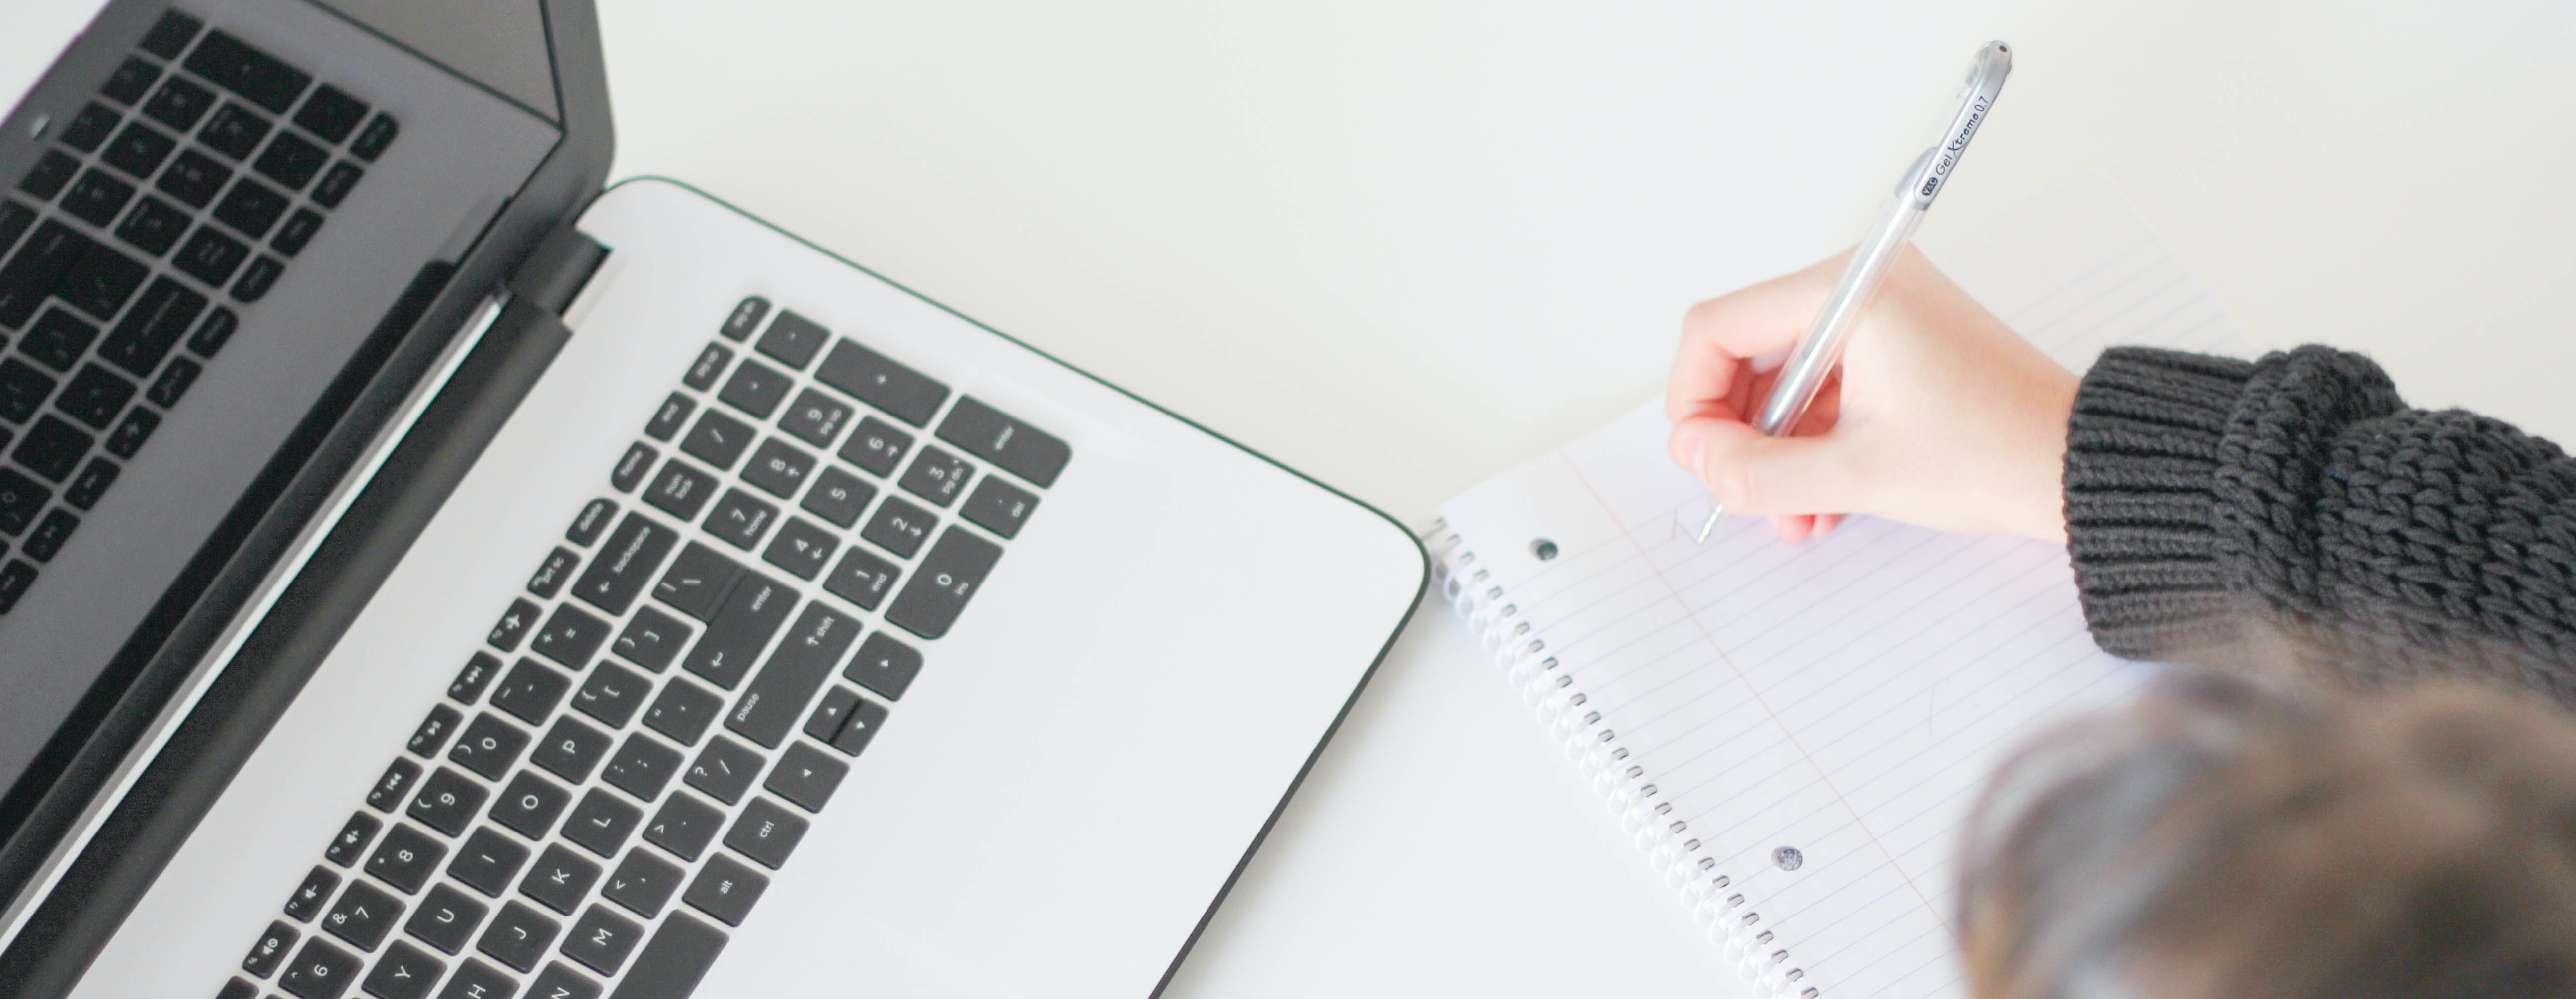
x=1627, y=788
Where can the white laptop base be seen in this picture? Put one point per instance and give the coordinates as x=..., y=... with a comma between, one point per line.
x=1049, y=809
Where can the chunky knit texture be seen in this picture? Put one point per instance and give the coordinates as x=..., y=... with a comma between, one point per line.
x=2207, y=498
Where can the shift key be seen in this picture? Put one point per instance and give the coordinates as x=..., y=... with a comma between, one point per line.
x=776, y=699
x=751, y=613
x=625, y=566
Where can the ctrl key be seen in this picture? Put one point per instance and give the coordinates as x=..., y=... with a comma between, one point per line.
x=320, y=971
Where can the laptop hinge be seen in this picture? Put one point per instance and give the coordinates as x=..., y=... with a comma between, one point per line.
x=556, y=272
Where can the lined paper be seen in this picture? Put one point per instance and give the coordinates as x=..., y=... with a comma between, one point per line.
x=1844, y=697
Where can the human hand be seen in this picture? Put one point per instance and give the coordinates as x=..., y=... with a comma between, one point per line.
x=1940, y=415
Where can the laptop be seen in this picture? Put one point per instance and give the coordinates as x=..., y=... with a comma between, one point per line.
x=428, y=572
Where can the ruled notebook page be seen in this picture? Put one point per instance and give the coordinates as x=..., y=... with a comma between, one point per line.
x=1843, y=697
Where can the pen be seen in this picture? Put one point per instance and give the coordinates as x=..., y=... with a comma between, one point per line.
x=1822, y=347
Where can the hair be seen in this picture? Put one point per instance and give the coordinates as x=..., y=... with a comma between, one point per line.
x=2236, y=837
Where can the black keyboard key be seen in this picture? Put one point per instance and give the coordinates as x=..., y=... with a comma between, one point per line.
x=320, y=971
x=601, y=939
x=146, y=334
x=718, y=439
x=432, y=734
x=570, y=636
x=680, y=490
x=770, y=707
x=767, y=833
x=801, y=548
x=297, y=231
x=838, y=496
x=741, y=518
x=683, y=711
x=351, y=843
x=549, y=578
x=47, y=177
x=631, y=467
x=937, y=476
x=489, y=861
x=331, y=113
x=778, y=468
x=132, y=431
x=314, y=893
x=476, y=675
x=641, y=767
x=899, y=527
x=153, y=226
x=755, y=389
x=815, y=418
x=101, y=280
x=878, y=381
x=22, y=390
x=363, y=915
x=561, y=982
x=211, y=334
x=179, y=103
x=559, y=879
x=793, y=340
x=477, y=980
x=518, y=936
x=234, y=65
x=53, y=448
x=448, y=802
x=530, y=805
x=251, y=208
x=947, y=579
x=211, y=257
x=571, y=749
x=59, y=339
x=624, y=567
x=862, y=578
x=31, y=272
x=740, y=629
x=668, y=419
x=49, y=535
x=864, y=721
x=643, y=883
x=405, y=972
x=725, y=769
x=14, y=581
x=234, y=131
x=601, y=823
x=884, y=665
x=132, y=79
x=138, y=149
x=446, y=919
x=531, y=691
x=698, y=581
x=613, y=694
x=390, y=789
x=257, y=279
x=831, y=714
x=336, y=183
x=173, y=384
x=744, y=318
x=684, y=826
x=592, y=522
x=489, y=746
x=513, y=627
x=96, y=198
x=21, y=499
x=652, y=640
x=170, y=35
x=373, y=139
x=999, y=507
x=805, y=776
x=406, y=858
x=725, y=889
x=88, y=128
x=671, y=963
x=709, y=365
x=90, y=484
x=270, y=950
x=194, y=178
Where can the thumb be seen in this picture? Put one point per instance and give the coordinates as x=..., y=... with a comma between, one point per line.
x=1768, y=476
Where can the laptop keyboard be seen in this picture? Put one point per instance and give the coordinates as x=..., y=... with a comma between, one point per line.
x=617, y=772
x=173, y=198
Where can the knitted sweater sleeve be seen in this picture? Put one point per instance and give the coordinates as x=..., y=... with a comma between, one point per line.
x=2299, y=491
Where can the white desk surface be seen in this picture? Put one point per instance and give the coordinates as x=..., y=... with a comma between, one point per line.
x=1403, y=244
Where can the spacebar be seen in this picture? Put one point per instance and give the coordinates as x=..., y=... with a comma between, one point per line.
x=673, y=961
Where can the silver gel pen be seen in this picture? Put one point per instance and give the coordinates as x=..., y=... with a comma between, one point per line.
x=1822, y=347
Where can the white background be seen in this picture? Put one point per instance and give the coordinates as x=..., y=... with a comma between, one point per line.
x=1403, y=245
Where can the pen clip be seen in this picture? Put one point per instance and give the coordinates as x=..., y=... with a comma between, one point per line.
x=1931, y=171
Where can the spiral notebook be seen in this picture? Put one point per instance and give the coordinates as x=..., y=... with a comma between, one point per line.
x=1795, y=732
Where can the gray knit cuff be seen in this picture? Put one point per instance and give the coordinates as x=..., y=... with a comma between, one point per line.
x=2141, y=466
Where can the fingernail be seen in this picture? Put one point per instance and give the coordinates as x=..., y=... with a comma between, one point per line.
x=1690, y=450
